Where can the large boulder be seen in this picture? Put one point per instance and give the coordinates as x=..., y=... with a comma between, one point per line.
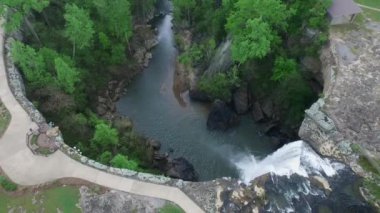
x=241, y=100
x=197, y=95
x=221, y=117
x=257, y=112
x=182, y=169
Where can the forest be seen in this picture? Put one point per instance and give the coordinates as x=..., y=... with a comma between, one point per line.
x=68, y=52
x=270, y=39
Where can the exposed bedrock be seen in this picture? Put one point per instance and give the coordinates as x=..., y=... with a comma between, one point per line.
x=349, y=111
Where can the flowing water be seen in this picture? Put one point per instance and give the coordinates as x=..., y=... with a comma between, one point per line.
x=180, y=124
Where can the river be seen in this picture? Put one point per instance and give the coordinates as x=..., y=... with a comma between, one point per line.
x=180, y=125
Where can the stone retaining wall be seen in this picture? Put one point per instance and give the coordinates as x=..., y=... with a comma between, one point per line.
x=17, y=87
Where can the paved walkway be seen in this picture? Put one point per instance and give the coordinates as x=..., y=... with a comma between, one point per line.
x=370, y=8
x=24, y=168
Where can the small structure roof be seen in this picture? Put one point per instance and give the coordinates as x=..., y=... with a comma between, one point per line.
x=344, y=8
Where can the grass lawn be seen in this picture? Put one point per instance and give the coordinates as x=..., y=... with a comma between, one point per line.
x=372, y=14
x=63, y=198
x=171, y=208
x=5, y=118
x=369, y=3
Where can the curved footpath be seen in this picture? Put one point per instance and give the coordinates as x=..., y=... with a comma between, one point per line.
x=24, y=168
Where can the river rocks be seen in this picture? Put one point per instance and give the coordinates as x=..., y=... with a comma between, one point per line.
x=181, y=168
x=156, y=145
x=257, y=112
x=142, y=43
x=106, y=102
x=221, y=117
x=268, y=108
x=241, y=100
x=122, y=123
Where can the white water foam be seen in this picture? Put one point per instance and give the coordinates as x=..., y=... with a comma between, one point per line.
x=293, y=158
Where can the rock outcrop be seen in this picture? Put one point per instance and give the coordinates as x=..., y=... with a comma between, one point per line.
x=349, y=111
x=241, y=100
x=116, y=202
x=143, y=43
x=221, y=117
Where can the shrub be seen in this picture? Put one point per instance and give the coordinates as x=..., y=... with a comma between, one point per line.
x=7, y=184
x=121, y=161
x=220, y=85
x=283, y=68
x=105, y=136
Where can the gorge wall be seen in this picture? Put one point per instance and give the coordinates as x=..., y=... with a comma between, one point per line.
x=348, y=112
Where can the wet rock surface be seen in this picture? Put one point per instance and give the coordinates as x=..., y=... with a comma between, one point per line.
x=221, y=117
x=294, y=193
x=241, y=100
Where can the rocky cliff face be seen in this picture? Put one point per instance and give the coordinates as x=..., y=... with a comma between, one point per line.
x=349, y=111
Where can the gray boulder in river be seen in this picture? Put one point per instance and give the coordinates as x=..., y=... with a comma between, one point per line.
x=221, y=117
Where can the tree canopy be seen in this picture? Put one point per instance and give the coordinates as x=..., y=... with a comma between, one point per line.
x=79, y=28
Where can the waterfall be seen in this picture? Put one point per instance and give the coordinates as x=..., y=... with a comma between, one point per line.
x=293, y=158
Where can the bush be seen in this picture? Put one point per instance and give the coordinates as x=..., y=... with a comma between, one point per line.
x=105, y=136
x=121, y=161
x=220, y=85
x=7, y=184
x=283, y=68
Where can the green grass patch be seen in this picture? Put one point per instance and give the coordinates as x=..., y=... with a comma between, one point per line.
x=372, y=14
x=171, y=208
x=63, y=198
x=369, y=3
x=373, y=187
x=367, y=166
x=5, y=119
x=7, y=185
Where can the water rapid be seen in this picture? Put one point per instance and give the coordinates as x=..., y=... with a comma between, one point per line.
x=293, y=158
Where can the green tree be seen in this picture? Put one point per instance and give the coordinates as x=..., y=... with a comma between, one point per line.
x=79, y=28
x=220, y=85
x=184, y=7
x=283, y=68
x=67, y=75
x=254, y=42
x=105, y=136
x=121, y=161
x=117, y=17
x=254, y=25
x=18, y=11
x=32, y=64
